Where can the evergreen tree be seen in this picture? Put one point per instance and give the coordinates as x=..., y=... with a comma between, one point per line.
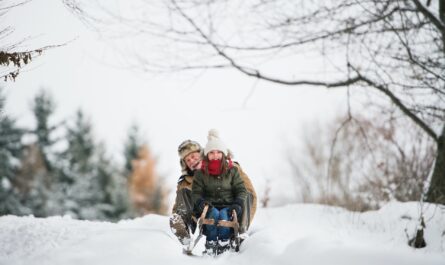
x=43, y=107
x=115, y=202
x=95, y=189
x=10, y=152
x=132, y=145
x=36, y=175
x=33, y=181
x=78, y=179
x=80, y=144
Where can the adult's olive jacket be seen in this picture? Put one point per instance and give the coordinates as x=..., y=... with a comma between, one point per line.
x=222, y=190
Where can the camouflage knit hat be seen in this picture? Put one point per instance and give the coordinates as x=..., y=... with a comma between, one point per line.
x=184, y=149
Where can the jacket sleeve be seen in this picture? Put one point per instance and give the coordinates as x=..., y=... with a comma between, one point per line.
x=183, y=183
x=250, y=189
x=197, y=188
x=246, y=179
x=238, y=187
x=175, y=206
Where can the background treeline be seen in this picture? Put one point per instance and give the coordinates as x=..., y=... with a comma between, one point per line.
x=362, y=163
x=59, y=168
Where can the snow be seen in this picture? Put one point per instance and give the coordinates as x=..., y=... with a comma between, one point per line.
x=292, y=234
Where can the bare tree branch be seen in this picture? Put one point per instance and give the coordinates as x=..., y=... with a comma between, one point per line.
x=255, y=73
x=401, y=106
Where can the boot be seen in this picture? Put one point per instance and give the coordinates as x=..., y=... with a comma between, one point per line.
x=223, y=246
x=179, y=228
x=211, y=247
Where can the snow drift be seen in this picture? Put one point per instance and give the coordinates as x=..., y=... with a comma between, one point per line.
x=293, y=234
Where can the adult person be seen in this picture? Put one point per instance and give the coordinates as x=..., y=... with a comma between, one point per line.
x=181, y=221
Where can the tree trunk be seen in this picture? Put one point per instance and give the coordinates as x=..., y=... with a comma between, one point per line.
x=442, y=10
x=436, y=191
x=418, y=241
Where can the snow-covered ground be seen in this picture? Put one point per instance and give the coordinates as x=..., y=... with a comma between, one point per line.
x=293, y=234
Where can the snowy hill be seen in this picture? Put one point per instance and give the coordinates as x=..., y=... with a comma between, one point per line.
x=294, y=234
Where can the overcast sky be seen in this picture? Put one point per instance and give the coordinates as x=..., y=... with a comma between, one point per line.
x=258, y=120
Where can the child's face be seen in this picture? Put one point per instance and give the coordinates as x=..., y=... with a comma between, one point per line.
x=215, y=155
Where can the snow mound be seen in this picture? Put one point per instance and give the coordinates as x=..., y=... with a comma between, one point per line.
x=300, y=233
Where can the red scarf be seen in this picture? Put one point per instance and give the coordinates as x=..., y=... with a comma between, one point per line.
x=214, y=166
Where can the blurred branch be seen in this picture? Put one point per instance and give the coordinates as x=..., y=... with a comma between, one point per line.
x=19, y=59
x=401, y=106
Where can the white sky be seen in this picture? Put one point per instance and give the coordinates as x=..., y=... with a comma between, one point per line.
x=169, y=109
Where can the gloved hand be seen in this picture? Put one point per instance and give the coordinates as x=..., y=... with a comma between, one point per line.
x=238, y=207
x=199, y=207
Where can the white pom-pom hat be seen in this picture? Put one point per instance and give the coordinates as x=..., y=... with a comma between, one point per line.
x=215, y=143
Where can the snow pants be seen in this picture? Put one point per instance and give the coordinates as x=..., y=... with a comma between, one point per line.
x=214, y=232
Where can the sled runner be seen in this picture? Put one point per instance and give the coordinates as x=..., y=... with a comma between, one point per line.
x=201, y=221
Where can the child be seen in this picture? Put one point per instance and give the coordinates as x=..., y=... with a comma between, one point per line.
x=219, y=185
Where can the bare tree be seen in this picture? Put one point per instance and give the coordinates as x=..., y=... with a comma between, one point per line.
x=396, y=48
x=388, y=160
